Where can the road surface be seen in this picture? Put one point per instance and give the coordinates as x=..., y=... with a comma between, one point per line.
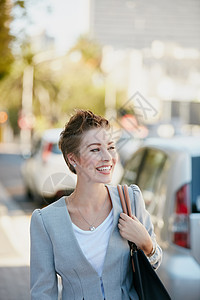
x=15, y=213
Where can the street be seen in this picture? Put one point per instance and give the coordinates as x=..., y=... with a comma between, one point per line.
x=15, y=213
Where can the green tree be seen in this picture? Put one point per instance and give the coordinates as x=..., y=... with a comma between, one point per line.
x=6, y=38
x=6, y=56
x=90, y=51
x=59, y=85
x=69, y=82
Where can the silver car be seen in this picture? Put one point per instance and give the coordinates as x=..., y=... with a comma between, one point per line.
x=46, y=175
x=168, y=174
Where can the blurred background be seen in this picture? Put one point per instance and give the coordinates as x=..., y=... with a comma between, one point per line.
x=135, y=62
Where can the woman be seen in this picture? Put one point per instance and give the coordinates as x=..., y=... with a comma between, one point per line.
x=83, y=237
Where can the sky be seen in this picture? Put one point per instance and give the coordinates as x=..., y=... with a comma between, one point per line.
x=65, y=20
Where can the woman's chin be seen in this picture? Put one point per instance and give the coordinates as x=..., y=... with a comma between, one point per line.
x=103, y=178
x=107, y=179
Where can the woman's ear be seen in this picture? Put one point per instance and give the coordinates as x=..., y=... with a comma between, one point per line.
x=71, y=159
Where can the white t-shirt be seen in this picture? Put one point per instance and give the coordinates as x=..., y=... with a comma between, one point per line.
x=94, y=243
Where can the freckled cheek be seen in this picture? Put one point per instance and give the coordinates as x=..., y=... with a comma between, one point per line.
x=88, y=161
x=115, y=157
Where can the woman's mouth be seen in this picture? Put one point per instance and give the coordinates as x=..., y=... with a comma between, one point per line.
x=104, y=169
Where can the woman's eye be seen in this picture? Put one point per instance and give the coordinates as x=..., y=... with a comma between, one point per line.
x=94, y=150
x=112, y=148
x=98, y=149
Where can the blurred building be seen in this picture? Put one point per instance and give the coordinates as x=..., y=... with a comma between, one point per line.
x=152, y=47
x=137, y=23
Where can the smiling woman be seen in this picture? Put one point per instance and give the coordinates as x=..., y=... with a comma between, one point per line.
x=83, y=237
x=82, y=126
x=97, y=155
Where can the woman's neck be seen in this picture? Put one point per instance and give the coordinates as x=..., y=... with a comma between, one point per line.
x=89, y=194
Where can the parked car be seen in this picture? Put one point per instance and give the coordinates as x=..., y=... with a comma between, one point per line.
x=168, y=174
x=45, y=173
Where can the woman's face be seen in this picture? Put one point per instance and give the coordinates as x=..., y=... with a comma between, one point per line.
x=98, y=156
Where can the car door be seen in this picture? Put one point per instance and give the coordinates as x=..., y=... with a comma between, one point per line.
x=195, y=209
x=132, y=168
x=146, y=169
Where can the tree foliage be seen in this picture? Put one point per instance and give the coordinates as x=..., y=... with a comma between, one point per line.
x=6, y=38
x=67, y=83
x=59, y=85
x=6, y=57
x=90, y=51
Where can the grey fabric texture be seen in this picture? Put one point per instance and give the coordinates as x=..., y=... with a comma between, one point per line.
x=55, y=250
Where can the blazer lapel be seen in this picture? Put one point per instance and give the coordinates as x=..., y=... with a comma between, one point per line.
x=114, y=235
x=117, y=209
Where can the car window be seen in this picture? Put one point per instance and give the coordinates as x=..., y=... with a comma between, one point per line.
x=55, y=149
x=35, y=146
x=132, y=168
x=195, y=185
x=150, y=174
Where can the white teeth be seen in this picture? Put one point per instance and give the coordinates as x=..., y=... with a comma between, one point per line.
x=104, y=168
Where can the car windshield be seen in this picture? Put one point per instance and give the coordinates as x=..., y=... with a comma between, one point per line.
x=195, y=186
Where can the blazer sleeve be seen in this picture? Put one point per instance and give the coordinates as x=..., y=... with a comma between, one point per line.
x=145, y=218
x=43, y=278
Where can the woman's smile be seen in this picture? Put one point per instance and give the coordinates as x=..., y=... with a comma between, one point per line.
x=105, y=169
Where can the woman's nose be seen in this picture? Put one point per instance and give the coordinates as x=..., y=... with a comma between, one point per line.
x=105, y=155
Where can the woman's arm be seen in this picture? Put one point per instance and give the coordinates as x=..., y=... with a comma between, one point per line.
x=43, y=278
x=139, y=229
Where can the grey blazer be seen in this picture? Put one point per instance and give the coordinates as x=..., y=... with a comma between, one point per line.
x=55, y=250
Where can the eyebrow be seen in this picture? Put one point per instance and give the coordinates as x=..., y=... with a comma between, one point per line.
x=98, y=144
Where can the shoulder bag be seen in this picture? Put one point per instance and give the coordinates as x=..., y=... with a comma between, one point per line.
x=146, y=282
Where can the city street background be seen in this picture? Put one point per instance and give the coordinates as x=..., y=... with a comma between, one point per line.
x=15, y=212
x=135, y=62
